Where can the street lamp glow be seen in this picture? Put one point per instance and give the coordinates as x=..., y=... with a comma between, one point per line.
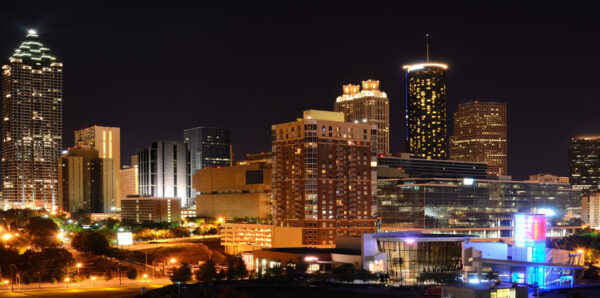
x=6, y=237
x=93, y=278
x=172, y=260
x=6, y=281
x=580, y=251
x=78, y=265
x=145, y=275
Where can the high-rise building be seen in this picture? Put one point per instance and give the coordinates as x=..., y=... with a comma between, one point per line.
x=369, y=105
x=590, y=209
x=163, y=171
x=107, y=141
x=480, y=135
x=584, y=163
x=32, y=104
x=209, y=148
x=426, y=125
x=324, y=174
x=80, y=180
x=129, y=181
x=150, y=209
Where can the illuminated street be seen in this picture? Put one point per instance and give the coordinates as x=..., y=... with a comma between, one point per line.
x=124, y=291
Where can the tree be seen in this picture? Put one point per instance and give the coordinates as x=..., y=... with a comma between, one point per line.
x=207, y=271
x=107, y=276
x=42, y=232
x=182, y=274
x=132, y=273
x=212, y=231
x=92, y=242
x=365, y=275
x=239, y=268
x=345, y=272
x=178, y=232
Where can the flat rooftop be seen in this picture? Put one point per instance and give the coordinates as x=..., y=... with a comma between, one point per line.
x=313, y=250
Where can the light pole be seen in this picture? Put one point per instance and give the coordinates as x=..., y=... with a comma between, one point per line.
x=94, y=280
x=145, y=278
x=67, y=280
x=78, y=266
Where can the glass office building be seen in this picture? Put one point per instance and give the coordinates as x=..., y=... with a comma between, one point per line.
x=416, y=167
x=584, y=163
x=444, y=203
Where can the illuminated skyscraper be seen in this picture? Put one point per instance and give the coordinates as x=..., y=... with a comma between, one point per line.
x=426, y=125
x=80, y=180
x=369, y=105
x=107, y=141
x=584, y=163
x=480, y=135
x=324, y=176
x=31, y=126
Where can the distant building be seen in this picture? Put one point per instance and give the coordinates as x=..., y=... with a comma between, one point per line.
x=188, y=212
x=107, y=141
x=547, y=178
x=480, y=135
x=590, y=209
x=433, y=168
x=163, y=171
x=323, y=176
x=129, y=181
x=94, y=217
x=369, y=105
x=316, y=259
x=80, y=180
x=32, y=126
x=426, y=109
x=241, y=237
x=263, y=157
x=584, y=163
x=150, y=209
x=209, y=148
x=480, y=207
x=237, y=191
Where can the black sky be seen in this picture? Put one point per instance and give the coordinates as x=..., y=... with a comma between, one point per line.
x=156, y=68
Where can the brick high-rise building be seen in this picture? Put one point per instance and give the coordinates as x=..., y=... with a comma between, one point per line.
x=107, y=141
x=426, y=124
x=324, y=176
x=480, y=135
x=32, y=105
x=369, y=105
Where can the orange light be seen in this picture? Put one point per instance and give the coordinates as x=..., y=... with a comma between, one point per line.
x=172, y=260
x=580, y=251
x=145, y=275
x=67, y=279
x=6, y=237
x=93, y=278
x=78, y=265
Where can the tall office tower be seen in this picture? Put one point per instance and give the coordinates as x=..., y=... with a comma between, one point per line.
x=426, y=125
x=107, y=140
x=80, y=180
x=324, y=176
x=480, y=135
x=584, y=163
x=590, y=209
x=369, y=105
x=209, y=148
x=129, y=181
x=163, y=171
x=31, y=126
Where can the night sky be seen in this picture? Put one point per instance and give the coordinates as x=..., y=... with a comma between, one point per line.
x=154, y=69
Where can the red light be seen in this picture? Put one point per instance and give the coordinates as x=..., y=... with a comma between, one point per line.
x=476, y=102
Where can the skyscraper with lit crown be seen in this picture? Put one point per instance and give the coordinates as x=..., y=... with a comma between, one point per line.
x=426, y=124
x=369, y=105
x=32, y=101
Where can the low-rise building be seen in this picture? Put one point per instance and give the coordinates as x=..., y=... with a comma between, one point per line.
x=94, y=217
x=547, y=178
x=317, y=259
x=241, y=237
x=188, y=212
x=150, y=209
x=483, y=290
x=237, y=191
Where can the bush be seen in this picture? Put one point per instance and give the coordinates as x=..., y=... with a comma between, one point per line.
x=207, y=272
x=53, y=280
x=182, y=274
x=132, y=273
x=107, y=276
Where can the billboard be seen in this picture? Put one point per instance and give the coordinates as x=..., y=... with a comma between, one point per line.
x=124, y=238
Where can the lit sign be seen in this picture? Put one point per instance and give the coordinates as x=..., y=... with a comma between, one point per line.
x=311, y=259
x=124, y=238
x=468, y=181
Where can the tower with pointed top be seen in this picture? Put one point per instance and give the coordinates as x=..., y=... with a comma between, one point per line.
x=32, y=91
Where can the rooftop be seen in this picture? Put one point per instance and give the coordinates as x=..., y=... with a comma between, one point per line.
x=413, y=67
x=312, y=250
x=31, y=50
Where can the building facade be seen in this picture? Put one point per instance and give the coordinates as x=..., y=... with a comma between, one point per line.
x=129, y=181
x=237, y=191
x=241, y=237
x=80, y=180
x=547, y=178
x=584, y=163
x=32, y=106
x=150, y=209
x=471, y=204
x=426, y=110
x=163, y=171
x=433, y=168
x=590, y=209
x=480, y=135
x=324, y=170
x=107, y=141
x=369, y=105
x=209, y=148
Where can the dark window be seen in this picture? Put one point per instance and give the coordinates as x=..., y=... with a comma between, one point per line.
x=254, y=177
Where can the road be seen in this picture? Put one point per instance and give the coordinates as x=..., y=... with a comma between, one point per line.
x=99, y=292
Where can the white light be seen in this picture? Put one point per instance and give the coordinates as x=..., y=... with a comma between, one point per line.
x=546, y=211
x=468, y=181
x=311, y=259
x=124, y=238
x=32, y=32
x=474, y=281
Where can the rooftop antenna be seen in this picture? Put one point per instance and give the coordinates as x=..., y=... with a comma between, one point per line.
x=427, y=39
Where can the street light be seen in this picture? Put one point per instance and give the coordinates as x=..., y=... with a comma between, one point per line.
x=7, y=236
x=67, y=280
x=173, y=260
x=580, y=251
x=78, y=266
x=94, y=280
x=145, y=278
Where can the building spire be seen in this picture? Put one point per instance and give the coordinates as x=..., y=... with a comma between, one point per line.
x=427, y=40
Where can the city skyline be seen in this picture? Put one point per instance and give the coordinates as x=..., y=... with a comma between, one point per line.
x=482, y=67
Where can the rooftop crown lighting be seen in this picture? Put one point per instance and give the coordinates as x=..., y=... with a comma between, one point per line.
x=414, y=67
x=32, y=32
